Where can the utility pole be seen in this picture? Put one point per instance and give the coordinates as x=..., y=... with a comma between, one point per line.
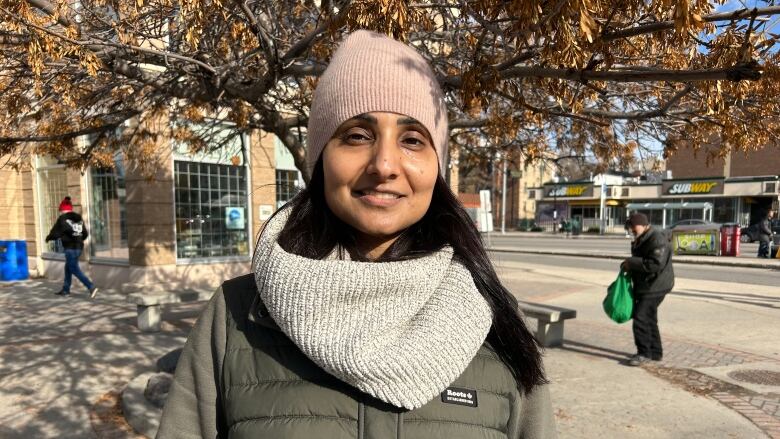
x=602, y=204
x=503, y=199
x=555, y=201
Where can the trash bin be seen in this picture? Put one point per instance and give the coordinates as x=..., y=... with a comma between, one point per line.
x=13, y=260
x=729, y=240
x=696, y=239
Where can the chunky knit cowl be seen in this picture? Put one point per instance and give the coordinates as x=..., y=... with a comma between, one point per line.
x=399, y=331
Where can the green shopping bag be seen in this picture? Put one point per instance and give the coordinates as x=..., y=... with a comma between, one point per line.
x=619, y=303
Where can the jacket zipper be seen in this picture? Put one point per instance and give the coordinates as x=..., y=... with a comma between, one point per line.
x=400, y=425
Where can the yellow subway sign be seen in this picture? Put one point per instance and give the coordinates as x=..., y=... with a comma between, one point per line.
x=578, y=190
x=693, y=187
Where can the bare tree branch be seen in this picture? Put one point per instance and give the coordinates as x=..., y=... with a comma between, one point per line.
x=747, y=71
x=666, y=25
x=49, y=9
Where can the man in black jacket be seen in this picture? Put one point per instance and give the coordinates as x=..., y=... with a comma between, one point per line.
x=652, y=275
x=72, y=232
x=765, y=235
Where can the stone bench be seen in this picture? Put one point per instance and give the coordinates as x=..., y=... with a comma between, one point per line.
x=150, y=305
x=550, y=321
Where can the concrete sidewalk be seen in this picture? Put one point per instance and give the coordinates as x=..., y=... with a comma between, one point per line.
x=678, y=259
x=711, y=331
x=65, y=360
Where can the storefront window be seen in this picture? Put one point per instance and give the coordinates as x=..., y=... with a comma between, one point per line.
x=654, y=216
x=52, y=188
x=108, y=220
x=288, y=179
x=725, y=210
x=286, y=186
x=211, y=209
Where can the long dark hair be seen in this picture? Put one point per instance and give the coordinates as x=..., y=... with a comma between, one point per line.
x=313, y=231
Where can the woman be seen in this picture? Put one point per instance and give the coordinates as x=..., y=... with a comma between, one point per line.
x=373, y=310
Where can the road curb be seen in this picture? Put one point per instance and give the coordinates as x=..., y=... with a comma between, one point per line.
x=677, y=259
x=548, y=235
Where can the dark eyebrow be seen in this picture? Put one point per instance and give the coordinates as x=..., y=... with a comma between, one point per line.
x=408, y=121
x=365, y=117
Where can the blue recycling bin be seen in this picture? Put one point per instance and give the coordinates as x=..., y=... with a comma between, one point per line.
x=13, y=260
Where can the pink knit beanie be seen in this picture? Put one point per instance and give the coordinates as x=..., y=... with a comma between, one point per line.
x=372, y=72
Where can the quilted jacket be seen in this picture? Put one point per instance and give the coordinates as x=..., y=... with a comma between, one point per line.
x=240, y=377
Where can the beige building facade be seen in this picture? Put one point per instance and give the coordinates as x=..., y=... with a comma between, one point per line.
x=520, y=203
x=191, y=225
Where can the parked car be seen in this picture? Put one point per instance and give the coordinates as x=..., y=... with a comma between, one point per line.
x=750, y=234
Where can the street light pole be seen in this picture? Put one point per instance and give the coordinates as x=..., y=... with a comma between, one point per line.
x=602, y=207
x=555, y=204
x=503, y=200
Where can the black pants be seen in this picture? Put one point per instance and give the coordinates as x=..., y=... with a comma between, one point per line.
x=646, y=335
x=763, y=249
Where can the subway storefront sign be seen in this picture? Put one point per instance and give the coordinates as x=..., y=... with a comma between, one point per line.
x=698, y=187
x=571, y=190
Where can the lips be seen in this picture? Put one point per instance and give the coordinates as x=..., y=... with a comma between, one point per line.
x=382, y=195
x=378, y=198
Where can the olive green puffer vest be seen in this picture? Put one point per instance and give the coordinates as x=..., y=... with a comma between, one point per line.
x=272, y=390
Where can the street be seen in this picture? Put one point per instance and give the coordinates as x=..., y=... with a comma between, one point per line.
x=743, y=275
x=609, y=244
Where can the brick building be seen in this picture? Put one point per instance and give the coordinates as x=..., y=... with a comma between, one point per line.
x=741, y=187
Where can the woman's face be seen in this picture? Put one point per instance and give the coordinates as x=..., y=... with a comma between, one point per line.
x=380, y=170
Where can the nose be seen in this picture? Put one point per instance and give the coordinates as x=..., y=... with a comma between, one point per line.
x=385, y=162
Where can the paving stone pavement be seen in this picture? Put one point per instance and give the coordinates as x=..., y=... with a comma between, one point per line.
x=681, y=357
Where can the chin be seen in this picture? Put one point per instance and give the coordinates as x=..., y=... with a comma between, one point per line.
x=380, y=230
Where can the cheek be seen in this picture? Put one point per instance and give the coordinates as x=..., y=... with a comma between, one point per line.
x=339, y=169
x=422, y=175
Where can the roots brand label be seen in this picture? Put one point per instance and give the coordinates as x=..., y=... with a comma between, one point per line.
x=456, y=395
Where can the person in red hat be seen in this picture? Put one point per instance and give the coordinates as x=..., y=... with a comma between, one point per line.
x=72, y=232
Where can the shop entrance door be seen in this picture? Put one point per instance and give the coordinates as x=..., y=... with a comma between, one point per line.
x=759, y=206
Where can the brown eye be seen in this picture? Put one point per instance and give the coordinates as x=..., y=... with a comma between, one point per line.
x=414, y=141
x=356, y=136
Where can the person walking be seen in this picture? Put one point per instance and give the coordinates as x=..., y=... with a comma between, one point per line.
x=72, y=232
x=765, y=235
x=373, y=310
x=567, y=227
x=652, y=275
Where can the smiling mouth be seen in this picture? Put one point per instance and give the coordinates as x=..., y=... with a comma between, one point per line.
x=379, y=195
x=378, y=199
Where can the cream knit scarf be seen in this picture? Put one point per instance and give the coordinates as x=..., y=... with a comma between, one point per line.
x=399, y=331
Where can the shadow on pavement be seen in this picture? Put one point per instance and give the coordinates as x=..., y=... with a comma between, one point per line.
x=746, y=299
x=60, y=355
x=594, y=351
